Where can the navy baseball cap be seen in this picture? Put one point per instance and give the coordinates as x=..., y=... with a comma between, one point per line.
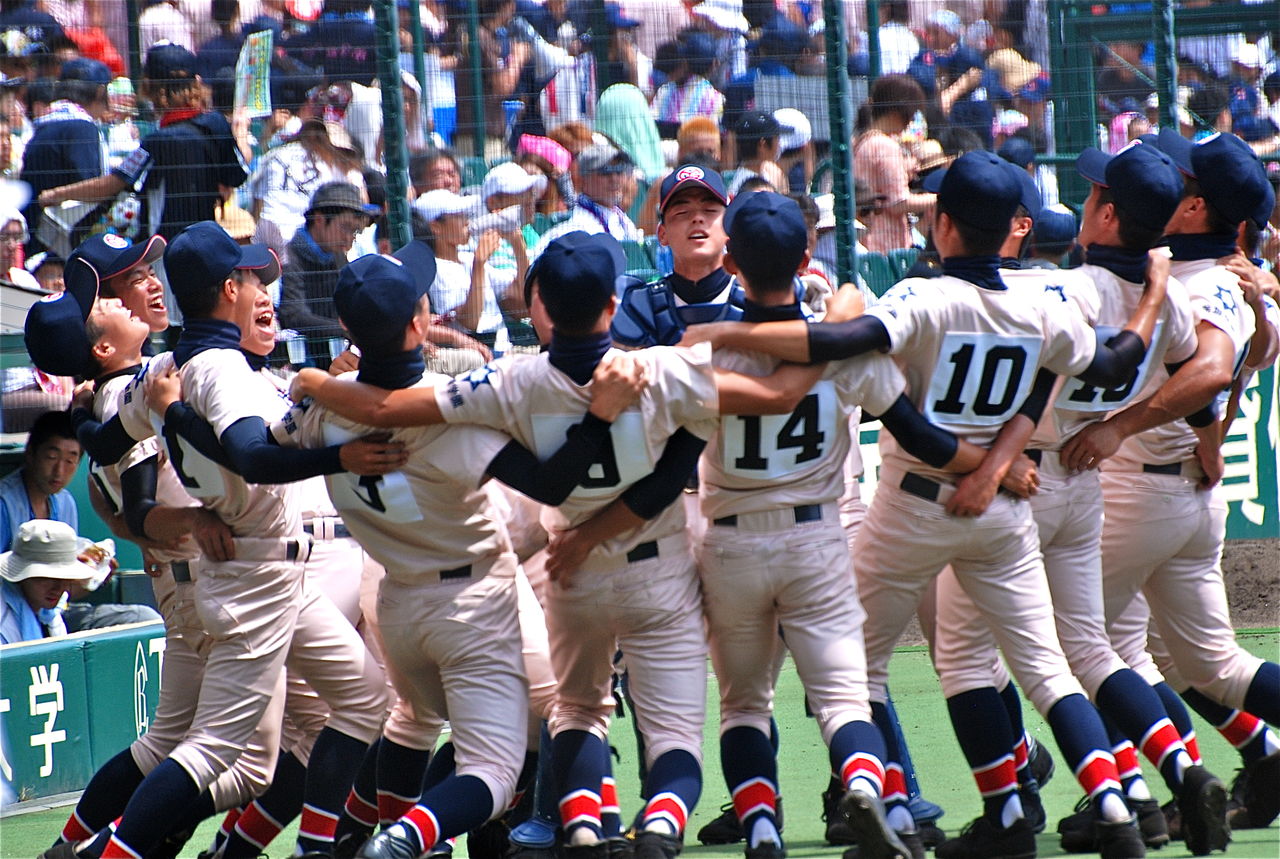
x=759, y=124
x=1056, y=228
x=54, y=330
x=1017, y=150
x=691, y=176
x=204, y=255
x=167, y=61
x=1030, y=195
x=1230, y=174
x=577, y=268
x=977, y=188
x=768, y=236
x=420, y=260
x=85, y=69
x=376, y=297
x=111, y=255
x=1144, y=182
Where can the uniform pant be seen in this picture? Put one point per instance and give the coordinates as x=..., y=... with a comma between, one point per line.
x=1164, y=536
x=767, y=571
x=652, y=610
x=907, y=540
x=453, y=650
x=1068, y=515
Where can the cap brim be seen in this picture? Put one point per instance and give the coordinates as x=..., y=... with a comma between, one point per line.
x=933, y=182
x=15, y=568
x=261, y=259
x=137, y=254
x=684, y=185
x=1092, y=165
x=81, y=281
x=1178, y=148
x=420, y=261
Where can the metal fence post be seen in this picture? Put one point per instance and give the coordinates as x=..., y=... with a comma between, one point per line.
x=873, y=39
x=132, y=12
x=1166, y=61
x=475, y=60
x=839, y=103
x=394, y=139
x=419, y=50
x=1075, y=111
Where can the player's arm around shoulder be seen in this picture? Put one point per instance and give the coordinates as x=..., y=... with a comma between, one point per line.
x=367, y=404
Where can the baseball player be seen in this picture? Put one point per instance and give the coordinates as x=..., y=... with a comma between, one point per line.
x=970, y=349
x=112, y=337
x=638, y=590
x=450, y=629
x=1135, y=194
x=1149, y=454
x=250, y=604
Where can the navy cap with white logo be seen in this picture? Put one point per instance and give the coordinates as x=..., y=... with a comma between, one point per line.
x=977, y=189
x=376, y=297
x=692, y=176
x=767, y=233
x=1230, y=174
x=54, y=330
x=1143, y=180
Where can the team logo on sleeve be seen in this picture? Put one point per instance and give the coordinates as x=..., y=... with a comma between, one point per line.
x=480, y=376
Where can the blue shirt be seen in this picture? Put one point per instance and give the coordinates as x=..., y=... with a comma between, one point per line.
x=15, y=508
x=17, y=621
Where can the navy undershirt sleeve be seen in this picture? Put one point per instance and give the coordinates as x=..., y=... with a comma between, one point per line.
x=834, y=341
x=256, y=458
x=138, y=494
x=930, y=444
x=1033, y=407
x=104, y=442
x=1116, y=361
x=551, y=482
x=652, y=494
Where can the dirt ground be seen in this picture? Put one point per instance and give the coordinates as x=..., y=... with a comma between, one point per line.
x=1251, y=569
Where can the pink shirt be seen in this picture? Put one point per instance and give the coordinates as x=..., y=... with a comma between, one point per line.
x=880, y=171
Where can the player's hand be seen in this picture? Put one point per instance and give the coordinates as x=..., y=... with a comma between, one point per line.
x=306, y=383
x=846, y=304
x=710, y=332
x=346, y=362
x=82, y=396
x=1211, y=460
x=1157, y=280
x=486, y=245
x=373, y=455
x=213, y=536
x=1022, y=480
x=1090, y=446
x=1254, y=282
x=163, y=390
x=617, y=383
x=973, y=495
x=566, y=552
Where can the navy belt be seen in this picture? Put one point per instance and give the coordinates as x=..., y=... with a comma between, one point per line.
x=1168, y=468
x=292, y=550
x=1034, y=454
x=340, y=530
x=921, y=487
x=803, y=513
x=456, y=573
x=181, y=572
x=643, y=552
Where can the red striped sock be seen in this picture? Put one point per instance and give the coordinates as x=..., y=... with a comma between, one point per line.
x=75, y=829
x=1193, y=747
x=669, y=807
x=1161, y=740
x=391, y=807
x=609, y=796
x=1021, y=756
x=1240, y=727
x=1126, y=760
x=361, y=810
x=421, y=822
x=755, y=796
x=317, y=824
x=895, y=784
x=257, y=827
x=229, y=822
x=996, y=778
x=1098, y=773
x=580, y=808
x=863, y=765
x=117, y=849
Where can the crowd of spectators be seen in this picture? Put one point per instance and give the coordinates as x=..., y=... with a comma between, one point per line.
x=592, y=103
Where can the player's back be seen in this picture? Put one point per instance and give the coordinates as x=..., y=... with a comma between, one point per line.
x=536, y=404
x=428, y=516
x=219, y=385
x=970, y=354
x=756, y=463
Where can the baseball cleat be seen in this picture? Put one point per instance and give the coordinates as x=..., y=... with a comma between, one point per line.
x=1032, y=807
x=1080, y=834
x=723, y=829
x=1040, y=760
x=534, y=832
x=61, y=850
x=766, y=850
x=388, y=845
x=349, y=844
x=1257, y=790
x=911, y=840
x=837, y=831
x=656, y=845
x=1120, y=840
x=874, y=836
x=1203, y=803
x=982, y=839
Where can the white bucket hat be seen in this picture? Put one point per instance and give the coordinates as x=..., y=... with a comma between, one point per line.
x=46, y=548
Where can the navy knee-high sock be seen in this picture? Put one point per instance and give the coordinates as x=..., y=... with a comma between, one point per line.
x=265, y=817
x=1176, y=710
x=104, y=797
x=1263, y=697
x=1082, y=739
x=751, y=774
x=1135, y=708
x=857, y=754
x=673, y=788
x=360, y=812
x=1249, y=734
x=981, y=725
x=895, y=784
x=199, y=811
x=335, y=759
x=1013, y=706
x=401, y=771
x=456, y=805
x=579, y=758
x=166, y=792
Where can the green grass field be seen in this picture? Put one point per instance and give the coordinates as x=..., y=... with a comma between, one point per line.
x=804, y=770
